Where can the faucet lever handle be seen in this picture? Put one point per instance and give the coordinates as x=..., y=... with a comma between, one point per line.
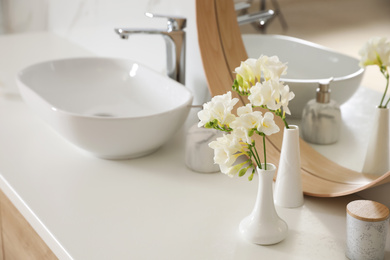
x=174, y=23
x=242, y=6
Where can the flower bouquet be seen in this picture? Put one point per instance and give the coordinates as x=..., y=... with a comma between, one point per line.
x=259, y=80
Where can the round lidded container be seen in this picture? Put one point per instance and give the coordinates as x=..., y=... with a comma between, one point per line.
x=367, y=227
x=199, y=156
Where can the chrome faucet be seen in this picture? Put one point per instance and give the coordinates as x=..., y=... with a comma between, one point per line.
x=174, y=36
x=260, y=17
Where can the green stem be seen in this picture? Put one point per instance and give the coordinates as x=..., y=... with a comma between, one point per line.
x=285, y=122
x=255, y=155
x=223, y=128
x=384, y=72
x=279, y=113
x=265, y=154
x=258, y=157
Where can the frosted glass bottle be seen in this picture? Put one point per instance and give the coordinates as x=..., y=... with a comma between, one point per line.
x=321, y=118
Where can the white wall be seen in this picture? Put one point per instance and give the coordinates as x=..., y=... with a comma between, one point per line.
x=91, y=23
x=23, y=16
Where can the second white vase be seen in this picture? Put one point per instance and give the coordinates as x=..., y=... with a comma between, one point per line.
x=377, y=157
x=288, y=185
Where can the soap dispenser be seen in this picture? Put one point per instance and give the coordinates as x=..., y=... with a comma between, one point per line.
x=321, y=117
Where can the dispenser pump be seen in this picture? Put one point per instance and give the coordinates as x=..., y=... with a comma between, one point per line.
x=323, y=91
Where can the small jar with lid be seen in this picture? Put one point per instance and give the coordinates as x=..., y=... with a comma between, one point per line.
x=367, y=227
x=199, y=157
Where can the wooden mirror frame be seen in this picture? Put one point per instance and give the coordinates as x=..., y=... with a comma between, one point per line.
x=222, y=50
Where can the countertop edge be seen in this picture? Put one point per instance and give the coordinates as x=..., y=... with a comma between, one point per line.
x=33, y=220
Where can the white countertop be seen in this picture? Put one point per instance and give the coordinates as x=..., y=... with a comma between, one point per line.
x=147, y=208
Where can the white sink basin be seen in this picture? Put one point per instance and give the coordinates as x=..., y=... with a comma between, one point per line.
x=308, y=63
x=112, y=108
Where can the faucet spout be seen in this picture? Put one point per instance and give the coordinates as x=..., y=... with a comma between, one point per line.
x=262, y=17
x=174, y=37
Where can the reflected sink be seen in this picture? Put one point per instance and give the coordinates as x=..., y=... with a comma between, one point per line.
x=112, y=108
x=308, y=63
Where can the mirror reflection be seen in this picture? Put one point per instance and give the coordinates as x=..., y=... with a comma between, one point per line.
x=334, y=26
x=342, y=25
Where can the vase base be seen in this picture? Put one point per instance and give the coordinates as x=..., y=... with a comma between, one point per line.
x=267, y=233
x=290, y=202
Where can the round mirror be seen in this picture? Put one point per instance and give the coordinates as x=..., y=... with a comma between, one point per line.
x=222, y=50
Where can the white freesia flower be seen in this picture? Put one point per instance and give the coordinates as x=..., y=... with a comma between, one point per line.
x=285, y=96
x=252, y=70
x=226, y=146
x=246, y=71
x=266, y=94
x=219, y=108
x=230, y=171
x=260, y=95
x=204, y=116
x=246, y=122
x=249, y=120
x=256, y=67
x=268, y=125
x=245, y=76
x=242, y=133
x=375, y=52
x=226, y=151
x=244, y=110
x=272, y=67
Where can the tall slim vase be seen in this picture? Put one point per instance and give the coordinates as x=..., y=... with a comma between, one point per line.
x=377, y=157
x=263, y=226
x=288, y=185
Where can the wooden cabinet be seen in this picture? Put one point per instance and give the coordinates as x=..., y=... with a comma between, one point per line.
x=18, y=239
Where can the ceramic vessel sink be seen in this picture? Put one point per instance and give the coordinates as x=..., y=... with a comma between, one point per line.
x=308, y=63
x=112, y=108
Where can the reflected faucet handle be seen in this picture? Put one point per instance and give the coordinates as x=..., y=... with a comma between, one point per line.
x=242, y=6
x=174, y=23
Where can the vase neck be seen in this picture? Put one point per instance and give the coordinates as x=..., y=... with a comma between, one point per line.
x=292, y=128
x=382, y=108
x=292, y=132
x=270, y=167
x=265, y=199
x=381, y=114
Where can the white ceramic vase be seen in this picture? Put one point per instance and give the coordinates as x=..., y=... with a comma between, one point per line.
x=377, y=157
x=288, y=185
x=263, y=226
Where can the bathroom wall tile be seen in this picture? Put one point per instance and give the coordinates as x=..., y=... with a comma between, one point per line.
x=20, y=16
x=91, y=24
